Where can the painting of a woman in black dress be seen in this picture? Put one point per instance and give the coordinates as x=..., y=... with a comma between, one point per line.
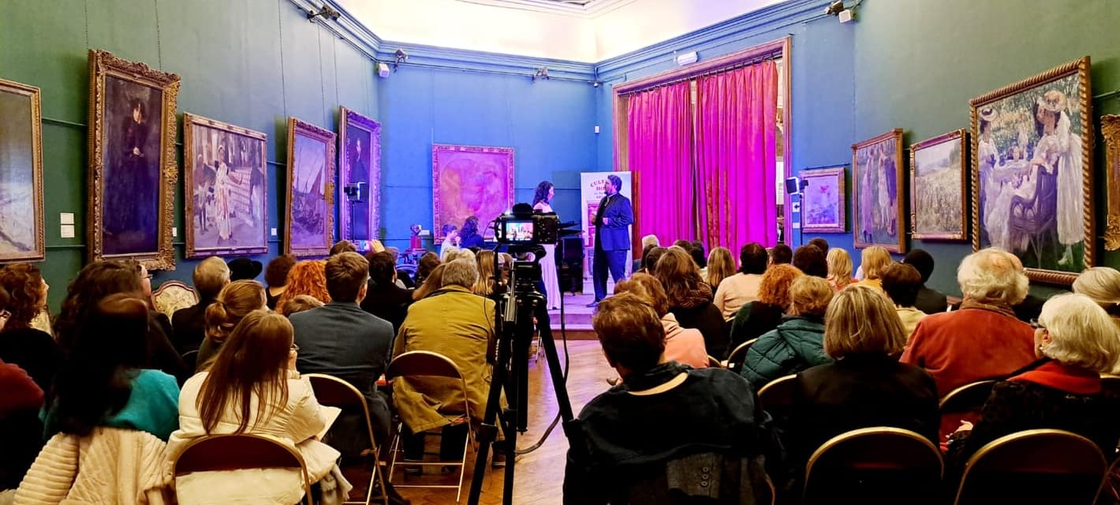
x=132, y=168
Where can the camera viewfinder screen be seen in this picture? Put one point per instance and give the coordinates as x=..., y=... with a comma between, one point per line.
x=519, y=231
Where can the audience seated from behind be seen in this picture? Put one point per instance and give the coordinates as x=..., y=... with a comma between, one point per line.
x=636, y=433
x=308, y=277
x=797, y=343
x=720, y=266
x=235, y=301
x=342, y=246
x=873, y=260
x=764, y=314
x=865, y=386
x=458, y=324
x=210, y=276
x=1102, y=284
x=21, y=432
x=650, y=257
x=428, y=262
x=696, y=250
x=780, y=254
x=742, y=288
x=690, y=300
x=839, y=268
x=244, y=269
x=1075, y=341
x=253, y=388
x=105, y=379
x=384, y=298
x=35, y=351
x=468, y=234
x=901, y=283
x=403, y=281
x=648, y=242
x=299, y=304
x=486, y=281
x=276, y=278
x=432, y=283
x=811, y=261
x=821, y=244
x=683, y=345
x=342, y=340
x=929, y=300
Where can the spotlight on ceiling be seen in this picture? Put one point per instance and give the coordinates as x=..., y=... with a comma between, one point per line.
x=834, y=8
x=542, y=73
x=401, y=57
x=326, y=12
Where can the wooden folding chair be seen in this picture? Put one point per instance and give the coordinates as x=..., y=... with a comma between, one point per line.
x=214, y=453
x=874, y=465
x=1034, y=466
x=335, y=392
x=431, y=364
x=738, y=356
x=713, y=362
x=967, y=398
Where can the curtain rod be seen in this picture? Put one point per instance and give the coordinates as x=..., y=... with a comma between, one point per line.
x=734, y=66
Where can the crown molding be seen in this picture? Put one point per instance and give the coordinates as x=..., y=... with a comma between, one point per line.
x=590, y=11
x=424, y=55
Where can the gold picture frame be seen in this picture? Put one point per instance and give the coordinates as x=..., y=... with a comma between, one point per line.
x=1032, y=179
x=824, y=200
x=945, y=184
x=874, y=162
x=1110, y=129
x=309, y=208
x=359, y=171
x=132, y=165
x=21, y=235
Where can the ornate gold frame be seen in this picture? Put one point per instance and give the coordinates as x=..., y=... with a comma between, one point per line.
x=349, y=119
x=900, y=190
x=1081, y=68
x=189, y=121
x=961, y=136
x=1110, y=128
x=327, y=137
x=842, y=203
x=40, y=251
x=102, y=64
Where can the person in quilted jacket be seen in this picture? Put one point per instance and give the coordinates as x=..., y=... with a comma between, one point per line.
x=797, y=343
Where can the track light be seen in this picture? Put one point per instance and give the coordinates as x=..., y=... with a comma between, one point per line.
x=326, y=12
x=401, y=57
x=542, y=73
x=834, y=8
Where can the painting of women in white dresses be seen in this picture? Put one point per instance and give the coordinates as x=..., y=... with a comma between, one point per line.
x=1031, y=172
x=877, y=209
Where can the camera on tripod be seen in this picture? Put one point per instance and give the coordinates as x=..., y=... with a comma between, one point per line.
x=525, y=227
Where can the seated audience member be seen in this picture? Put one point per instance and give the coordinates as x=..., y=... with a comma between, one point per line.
x=696, y=412
x=811, y=261
x=458, y=324
x=376, y=246
x=690, y=300
x=485, y=264
x=683, y=244
x=253, y=388
x=21, y=432
x=781, y=254
x=873, y=261
x=765, y=314
x=342, y=340
x=839, y=268
x=648, y=242
x=865, y=386
x=342, y=246
x=33, y=350
x=450, y=235
x=1075, y=341
x=1102, y=284
x=428, y=262
x=276, y=277
x=104, y=380
x=901, y=282
x=650, y=258
x=404, y=281
x=384, y=298
x=720, y=266
x=432, y=283
x=742, y=288
x=308, y=277
x=468, y=235
x=244, y=269
x=235, y=301
x=698, y=256
x=299, y=304
x=821, y=244
x=929, y=300
x=189, y=324
x=683, y=345
x=797, y=343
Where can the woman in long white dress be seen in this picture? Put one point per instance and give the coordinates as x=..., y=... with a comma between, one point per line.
x=1058, y=149
x=542, y=202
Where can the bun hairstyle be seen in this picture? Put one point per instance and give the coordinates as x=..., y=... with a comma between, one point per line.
x=234, y=302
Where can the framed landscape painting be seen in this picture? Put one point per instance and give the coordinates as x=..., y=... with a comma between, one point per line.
x=824, y=202
x=359, y=178
x=938, y=175
x=133, y=170
x=471, y=181
x=225, y=183
x=1110, y=128
x=21, y=173
x=877, y=197
x=310, y=204
x=1032, y=153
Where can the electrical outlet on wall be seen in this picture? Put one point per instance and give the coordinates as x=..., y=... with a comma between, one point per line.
x=274, y=232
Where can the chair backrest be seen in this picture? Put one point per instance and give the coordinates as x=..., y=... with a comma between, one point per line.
x=888, y=460
x=778, y=392
x=190, y=358
x=1030, y=456
x=330, y=390
x=173, y=295
x=427, y=364
x=713, y=362
x=737, y=356
x=967, y=398
x=238, y=452
x=1111, y=383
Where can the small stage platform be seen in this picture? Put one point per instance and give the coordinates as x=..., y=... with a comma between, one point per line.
x=577, y=315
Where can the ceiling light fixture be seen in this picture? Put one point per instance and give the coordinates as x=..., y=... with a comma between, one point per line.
x=327, y=12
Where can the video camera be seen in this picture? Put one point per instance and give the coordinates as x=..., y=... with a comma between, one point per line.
x=522, y=226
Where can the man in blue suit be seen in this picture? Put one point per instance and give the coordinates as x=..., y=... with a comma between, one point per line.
x=612, y=237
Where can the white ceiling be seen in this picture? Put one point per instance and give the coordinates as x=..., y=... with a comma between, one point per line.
x=587, y=32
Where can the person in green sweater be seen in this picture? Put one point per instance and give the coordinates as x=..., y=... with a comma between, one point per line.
x=102, y=382
x=797, y=343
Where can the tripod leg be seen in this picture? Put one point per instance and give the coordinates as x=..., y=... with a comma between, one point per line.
x=488, y=430
x=558, y=380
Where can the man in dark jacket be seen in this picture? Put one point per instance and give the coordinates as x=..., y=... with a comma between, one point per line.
x=384, y=298
x=189, y=324
x=929, y=300
x=612, y=237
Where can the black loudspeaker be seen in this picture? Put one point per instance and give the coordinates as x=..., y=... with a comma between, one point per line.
x=791, y=185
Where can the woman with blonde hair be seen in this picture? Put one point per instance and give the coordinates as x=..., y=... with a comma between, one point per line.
x=765, y=314
x=307, y=277
x=839, y=268
x=690, y=299
x=873, y=261
x=432, y=283
x=721, y=265
x=683, y=345
x=485, y=285
x=234, y=302
x=798, y=342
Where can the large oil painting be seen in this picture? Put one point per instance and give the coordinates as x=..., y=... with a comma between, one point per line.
x=1110, y=127
x=359, y=178
x=133, y=170
x=471, y=181
x=310, y=203
x=21, y=173
x=938, y=175
x=877, y=198
x=824, y=202
x=1032, y=178
x=225, y=182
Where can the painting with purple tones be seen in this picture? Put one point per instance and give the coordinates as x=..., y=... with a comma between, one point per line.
x=824, y=200
x=877, y=205
x=310, y=203
x=21, y=173
x=471, y=181
x=359, y=167
x=224, y=181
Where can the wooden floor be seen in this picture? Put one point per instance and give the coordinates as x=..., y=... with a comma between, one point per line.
x=540, y=474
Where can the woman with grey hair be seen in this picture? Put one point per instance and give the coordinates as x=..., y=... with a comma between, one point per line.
x=1102, y=284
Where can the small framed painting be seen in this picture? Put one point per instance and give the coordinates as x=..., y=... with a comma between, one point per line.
x=21, y=173
x=1110, y=127
x=824, y=200
x=938, y=181
x=877, y=198
x=310, y=205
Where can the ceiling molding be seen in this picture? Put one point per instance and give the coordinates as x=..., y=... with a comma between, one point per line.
x=592, y=9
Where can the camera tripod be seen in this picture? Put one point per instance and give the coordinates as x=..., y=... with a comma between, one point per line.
x=515, y=313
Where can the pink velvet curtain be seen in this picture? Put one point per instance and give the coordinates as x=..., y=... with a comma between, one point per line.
x=659, y=126
x=736, y=156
